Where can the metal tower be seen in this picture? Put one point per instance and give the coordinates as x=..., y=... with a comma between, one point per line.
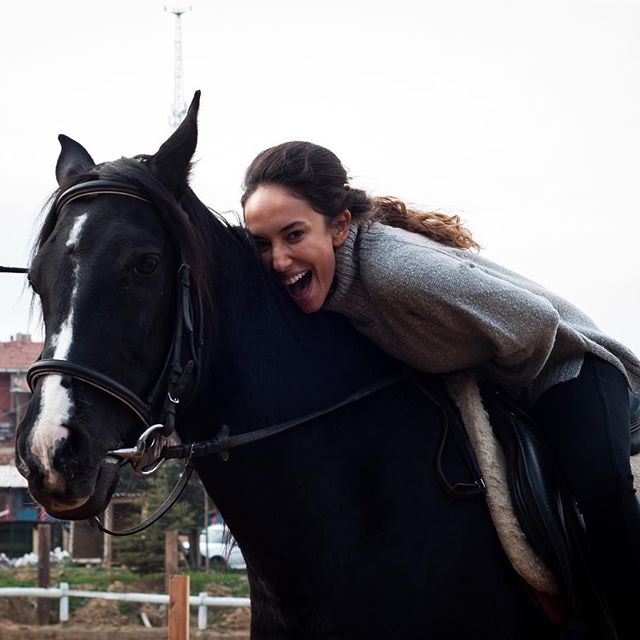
x=179, y=107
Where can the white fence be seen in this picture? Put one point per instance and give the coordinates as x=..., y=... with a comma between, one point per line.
x=63, y=593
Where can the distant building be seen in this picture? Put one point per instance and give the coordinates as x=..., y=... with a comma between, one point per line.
x=18, y=515
x=15, y=358
x=18, y=512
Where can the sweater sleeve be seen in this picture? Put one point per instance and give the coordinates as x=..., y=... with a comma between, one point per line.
x=442, y=313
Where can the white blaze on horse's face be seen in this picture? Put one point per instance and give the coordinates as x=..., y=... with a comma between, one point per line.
x=56, y=402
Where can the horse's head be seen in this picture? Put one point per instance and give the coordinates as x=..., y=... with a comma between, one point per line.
x=105, y=268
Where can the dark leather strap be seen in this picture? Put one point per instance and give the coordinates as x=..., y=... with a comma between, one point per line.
x=14, y=270
x=159, y=512
x=90, y=376
x=222, y=442
x=98, y=188
x=452, y=425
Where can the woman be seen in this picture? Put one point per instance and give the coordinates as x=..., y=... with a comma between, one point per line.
x=412, y=283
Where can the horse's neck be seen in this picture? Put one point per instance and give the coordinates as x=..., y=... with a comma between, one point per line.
x=274, y=363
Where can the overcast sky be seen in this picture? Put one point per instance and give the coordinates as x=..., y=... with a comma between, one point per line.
x=521, y=116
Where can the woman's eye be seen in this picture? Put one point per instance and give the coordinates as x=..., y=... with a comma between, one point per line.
x=296, y=235
x=147, y=265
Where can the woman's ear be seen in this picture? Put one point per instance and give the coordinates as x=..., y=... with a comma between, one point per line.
x=340, y=228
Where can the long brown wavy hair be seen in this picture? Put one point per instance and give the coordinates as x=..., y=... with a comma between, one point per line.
x=316, y=175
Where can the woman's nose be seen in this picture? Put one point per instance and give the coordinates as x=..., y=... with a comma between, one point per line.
x=280, y=259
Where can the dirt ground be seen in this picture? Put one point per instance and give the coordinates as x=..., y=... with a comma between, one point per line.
x=104, y=620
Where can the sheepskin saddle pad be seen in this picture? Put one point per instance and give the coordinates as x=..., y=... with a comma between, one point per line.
x=508, y=465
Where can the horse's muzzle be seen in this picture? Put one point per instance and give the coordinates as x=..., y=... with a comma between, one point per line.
x=96, y=503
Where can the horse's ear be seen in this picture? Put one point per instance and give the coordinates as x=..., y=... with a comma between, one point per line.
x=172, y=161
x=73, y=158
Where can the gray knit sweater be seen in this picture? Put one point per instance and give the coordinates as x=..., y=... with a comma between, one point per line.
x=442, y=310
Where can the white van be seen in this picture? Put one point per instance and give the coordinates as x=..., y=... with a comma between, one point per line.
x=223, y=551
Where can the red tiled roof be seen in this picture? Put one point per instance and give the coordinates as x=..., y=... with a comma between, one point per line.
x=17, y=355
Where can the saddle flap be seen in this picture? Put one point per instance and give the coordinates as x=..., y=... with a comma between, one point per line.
x=532, y=484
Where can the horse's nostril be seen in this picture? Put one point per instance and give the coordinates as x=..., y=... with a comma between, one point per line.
x=31, y=469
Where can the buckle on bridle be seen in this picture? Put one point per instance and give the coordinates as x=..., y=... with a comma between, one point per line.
x=135, y=454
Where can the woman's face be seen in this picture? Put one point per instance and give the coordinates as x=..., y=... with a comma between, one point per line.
x=296, y=243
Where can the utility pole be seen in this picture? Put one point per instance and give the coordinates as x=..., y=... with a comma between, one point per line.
x=179, y=107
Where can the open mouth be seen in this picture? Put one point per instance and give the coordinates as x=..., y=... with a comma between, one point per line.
x=299, y=285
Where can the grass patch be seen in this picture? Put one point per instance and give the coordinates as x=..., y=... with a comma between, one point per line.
x=95, y=578
x=9, y=578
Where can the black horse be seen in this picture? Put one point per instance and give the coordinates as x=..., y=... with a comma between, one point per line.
x=347, y=530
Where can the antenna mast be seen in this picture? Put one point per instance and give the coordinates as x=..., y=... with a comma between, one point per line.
x=179, y=107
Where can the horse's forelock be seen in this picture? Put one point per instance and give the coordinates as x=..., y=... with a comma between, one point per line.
x=48, y=223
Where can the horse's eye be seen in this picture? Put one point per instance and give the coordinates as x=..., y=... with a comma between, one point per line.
x=147, y=265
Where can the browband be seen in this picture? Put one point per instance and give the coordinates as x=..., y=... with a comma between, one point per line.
x=97, y=188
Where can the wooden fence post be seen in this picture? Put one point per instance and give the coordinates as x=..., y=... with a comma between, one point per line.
x=44, y=547
x=170, y=556
x=179, y=608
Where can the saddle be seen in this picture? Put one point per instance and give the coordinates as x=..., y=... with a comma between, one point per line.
x=536, y=520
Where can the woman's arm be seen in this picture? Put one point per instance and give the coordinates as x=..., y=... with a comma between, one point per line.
x=442, y=313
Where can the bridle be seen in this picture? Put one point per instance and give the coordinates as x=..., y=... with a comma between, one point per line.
x=169, y=390
x=172, y=383
x=174, y=377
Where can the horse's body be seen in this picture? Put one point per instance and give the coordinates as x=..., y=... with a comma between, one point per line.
x=346, y=530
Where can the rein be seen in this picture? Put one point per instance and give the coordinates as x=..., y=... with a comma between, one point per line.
x=222, y=442
x=14, y=270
